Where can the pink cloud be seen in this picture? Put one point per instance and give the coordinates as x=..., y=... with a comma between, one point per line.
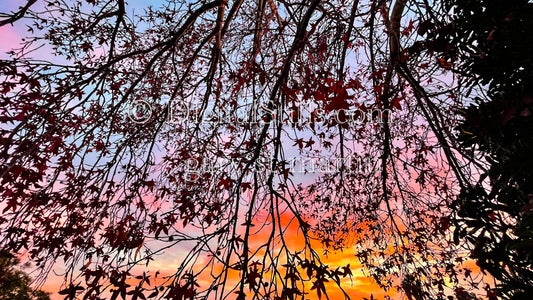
x=9, y=39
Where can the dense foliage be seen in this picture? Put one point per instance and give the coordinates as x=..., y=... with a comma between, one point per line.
x=494, y=42
x=14, y=284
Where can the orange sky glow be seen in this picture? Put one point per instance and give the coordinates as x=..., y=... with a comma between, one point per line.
x=359, y=286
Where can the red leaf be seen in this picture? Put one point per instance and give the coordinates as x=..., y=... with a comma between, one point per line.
x=99, y=145
x=444, y=64
x=396, y=103
x=251, y=277
x=246, y=186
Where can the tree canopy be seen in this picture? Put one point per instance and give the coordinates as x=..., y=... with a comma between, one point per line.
x=14, y=284
x=495, y=214
x=254, y=138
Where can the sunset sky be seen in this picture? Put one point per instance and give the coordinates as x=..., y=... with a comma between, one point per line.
x=357, y=287
x=360, y=285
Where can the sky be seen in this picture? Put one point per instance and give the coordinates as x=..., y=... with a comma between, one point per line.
x=362, y=286
x=357, y=287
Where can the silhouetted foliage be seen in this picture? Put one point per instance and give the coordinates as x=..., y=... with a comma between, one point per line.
x=494, y=41
x=14, y=284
